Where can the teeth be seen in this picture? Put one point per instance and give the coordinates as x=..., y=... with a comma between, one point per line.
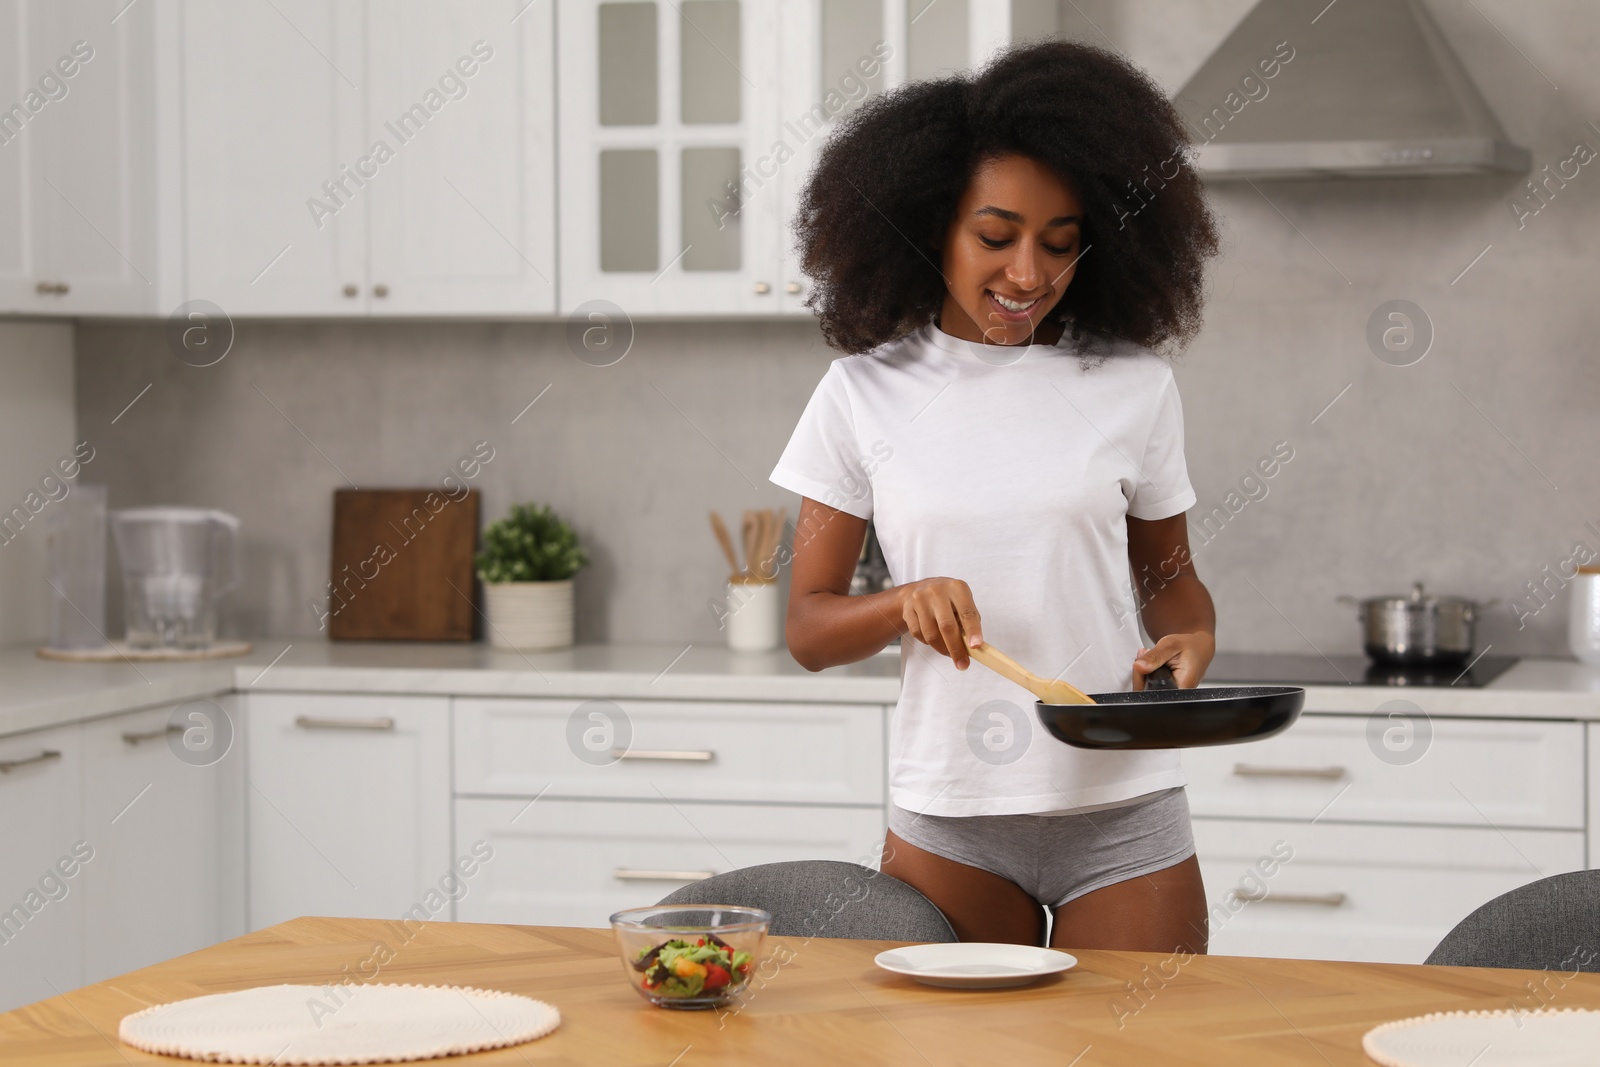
x=1012, y=305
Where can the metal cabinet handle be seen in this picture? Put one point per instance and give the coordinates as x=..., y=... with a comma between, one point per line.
x=762, y=288
x=696, y=755
x=310, y=722
x=793, y=287
x=52, y=288
x=1249, y=770
x=635, y=874
x=380, y=291
x=151, y=735
x=7, y=765
x=1327, y=900
x=350, y=291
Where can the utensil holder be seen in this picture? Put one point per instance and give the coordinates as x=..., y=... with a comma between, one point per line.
x=753, y=622
x=1583, y=629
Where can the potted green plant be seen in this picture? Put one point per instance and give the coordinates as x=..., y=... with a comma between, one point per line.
x=526, y=566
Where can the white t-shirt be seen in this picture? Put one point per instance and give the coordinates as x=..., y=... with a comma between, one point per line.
x=1011, y=468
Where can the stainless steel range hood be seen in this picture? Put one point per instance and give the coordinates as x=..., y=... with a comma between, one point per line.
x=1358, y=88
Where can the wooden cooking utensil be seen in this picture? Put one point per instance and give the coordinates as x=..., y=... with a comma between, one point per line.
x=1048, y=690
x=775, y=538
x=758, y=561
x=720, y=528
x=747, y=534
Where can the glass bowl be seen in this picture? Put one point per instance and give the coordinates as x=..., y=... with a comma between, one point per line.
x=690, y=955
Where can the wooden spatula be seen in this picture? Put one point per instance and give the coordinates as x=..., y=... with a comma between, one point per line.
x=1048, y=690
x=721, y=530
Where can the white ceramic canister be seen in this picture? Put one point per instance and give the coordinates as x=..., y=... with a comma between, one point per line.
x=753, y=622
x=1584, y=623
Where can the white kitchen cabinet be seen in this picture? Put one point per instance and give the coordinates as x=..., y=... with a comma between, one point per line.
x=1383, y=894
x=351, y=160
x=574, y=862
x=16, y=243
x=168, y=872
x=462, y=219
x=688, y=130
x=686, y=750
x=273, y=108
x=79, y=163
x=45, y=860
x=1474, y=772
x=349, y=803
x=666, y=140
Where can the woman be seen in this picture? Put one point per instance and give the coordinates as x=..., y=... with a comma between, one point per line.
x=1004, y=252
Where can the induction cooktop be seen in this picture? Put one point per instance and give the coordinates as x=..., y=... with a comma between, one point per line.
x=1288, y=668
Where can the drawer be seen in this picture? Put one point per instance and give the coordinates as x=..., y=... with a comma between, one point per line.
x=1381, y=894
x=797, y=753
x=1473, y=772
x=574, y=862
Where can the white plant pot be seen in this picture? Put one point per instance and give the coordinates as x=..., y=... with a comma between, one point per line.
x=527, y=616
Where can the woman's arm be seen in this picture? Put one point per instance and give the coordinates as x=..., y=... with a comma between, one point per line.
x=1174, y=605
x=826, y=626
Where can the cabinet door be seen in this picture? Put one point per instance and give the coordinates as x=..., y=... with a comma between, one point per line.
x=574, y=862
x=686, y=750
x=1472, y=772
x=463, y=215
x=170, y=831
x=349, y=804
x=669, y=155
x=275, y=208
x=93, y=195
x=1379, y=894
x=77, y=231
x=17, y=279
x=46, y=858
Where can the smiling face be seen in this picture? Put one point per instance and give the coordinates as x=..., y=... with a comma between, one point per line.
x=1009, y=253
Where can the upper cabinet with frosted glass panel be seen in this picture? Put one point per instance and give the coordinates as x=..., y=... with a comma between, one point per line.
x=666, y=108
x=687, y=130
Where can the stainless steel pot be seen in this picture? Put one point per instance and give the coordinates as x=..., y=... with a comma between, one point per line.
x=1418, y=627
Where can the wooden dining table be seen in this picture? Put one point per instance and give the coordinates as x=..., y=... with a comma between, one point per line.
x=816, y=1002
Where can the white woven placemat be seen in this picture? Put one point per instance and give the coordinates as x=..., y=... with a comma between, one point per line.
x=304, y=1024
x=1569, y=1038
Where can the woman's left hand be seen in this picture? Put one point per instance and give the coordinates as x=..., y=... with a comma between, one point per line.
x=1187, y=654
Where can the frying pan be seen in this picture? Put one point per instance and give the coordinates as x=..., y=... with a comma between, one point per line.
x=1159, y=716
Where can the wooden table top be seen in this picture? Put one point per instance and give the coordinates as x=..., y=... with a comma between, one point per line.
x=819, y=1001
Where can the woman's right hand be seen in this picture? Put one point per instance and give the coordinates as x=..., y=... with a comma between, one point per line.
x=938, y=612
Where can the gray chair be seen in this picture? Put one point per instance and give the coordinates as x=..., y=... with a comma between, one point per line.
x=824, y=898
x=1552, y=924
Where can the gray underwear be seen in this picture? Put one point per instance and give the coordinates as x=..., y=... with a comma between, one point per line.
x=1058, y=858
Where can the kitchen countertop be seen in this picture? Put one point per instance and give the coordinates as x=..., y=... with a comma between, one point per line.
x=39, y=693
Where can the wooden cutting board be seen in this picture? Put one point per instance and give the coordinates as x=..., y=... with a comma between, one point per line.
x=402, y=565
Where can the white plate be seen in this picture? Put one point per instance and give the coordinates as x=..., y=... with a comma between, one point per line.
x=975, y=964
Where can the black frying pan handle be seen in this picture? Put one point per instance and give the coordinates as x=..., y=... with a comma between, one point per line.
x=1160, y=678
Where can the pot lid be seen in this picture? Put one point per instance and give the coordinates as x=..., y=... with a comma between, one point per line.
x=1419, y=598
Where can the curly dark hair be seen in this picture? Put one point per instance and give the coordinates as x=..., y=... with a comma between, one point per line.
x=887, y=182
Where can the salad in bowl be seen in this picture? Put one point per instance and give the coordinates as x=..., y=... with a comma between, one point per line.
x=690, y=956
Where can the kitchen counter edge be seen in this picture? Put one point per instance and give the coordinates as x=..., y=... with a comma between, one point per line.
x=42, y=693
